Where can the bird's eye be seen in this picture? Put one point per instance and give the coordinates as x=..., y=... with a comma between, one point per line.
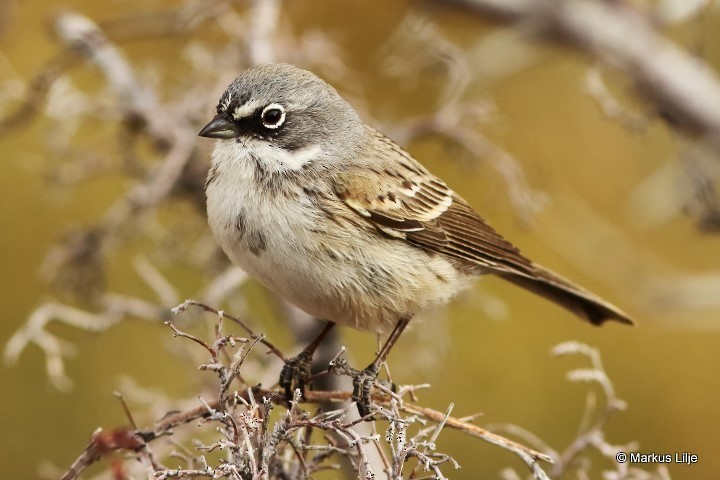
x=273, y=115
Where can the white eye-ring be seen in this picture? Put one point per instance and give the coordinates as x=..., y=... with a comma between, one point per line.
x=273, y=116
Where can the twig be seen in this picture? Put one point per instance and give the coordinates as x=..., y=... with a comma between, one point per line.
x=528, y=455
x=188, y=303
x=173, y=420
x=593, y=434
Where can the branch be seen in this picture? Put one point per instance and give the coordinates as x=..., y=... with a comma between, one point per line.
x=101, y=445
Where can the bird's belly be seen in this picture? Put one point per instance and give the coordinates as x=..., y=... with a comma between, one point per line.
x=362, y=285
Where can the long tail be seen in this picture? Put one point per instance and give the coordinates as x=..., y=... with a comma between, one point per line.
x=559, y=290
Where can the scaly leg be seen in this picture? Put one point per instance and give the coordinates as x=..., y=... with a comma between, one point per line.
x=297, y=369
x=363, y=381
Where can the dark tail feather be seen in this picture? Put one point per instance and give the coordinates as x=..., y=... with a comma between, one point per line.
x=557, y=289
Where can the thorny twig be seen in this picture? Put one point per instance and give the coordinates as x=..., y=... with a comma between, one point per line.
x=259, y=447
x=255, y=445
x=187, y=303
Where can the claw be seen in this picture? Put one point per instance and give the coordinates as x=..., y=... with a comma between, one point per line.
x=362, y=384
x=295, y=374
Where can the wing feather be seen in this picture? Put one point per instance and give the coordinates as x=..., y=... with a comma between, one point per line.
x=406, y=201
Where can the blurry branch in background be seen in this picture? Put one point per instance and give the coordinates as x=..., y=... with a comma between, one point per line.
x=140, y=110
x=591, y=436
x=592, y=429
x=698, y=162
x=682, y=89
x=611, y=107
x=419, y=46
x=263, y=24
x=82, y=38
x=680, y=85
x=112, y=308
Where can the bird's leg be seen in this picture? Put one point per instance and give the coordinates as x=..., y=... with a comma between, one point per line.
x=364, y=379
x=297, y=369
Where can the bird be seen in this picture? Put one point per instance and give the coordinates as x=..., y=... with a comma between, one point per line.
x=342, y=222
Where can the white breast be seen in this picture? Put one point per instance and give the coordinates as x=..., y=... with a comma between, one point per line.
x=251, y=222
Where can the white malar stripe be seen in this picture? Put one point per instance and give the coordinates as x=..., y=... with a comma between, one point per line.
x=276, y=159
x=296, y=159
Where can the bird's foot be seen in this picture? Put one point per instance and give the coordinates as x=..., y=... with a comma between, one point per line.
x=295, y=374
x=362, y=384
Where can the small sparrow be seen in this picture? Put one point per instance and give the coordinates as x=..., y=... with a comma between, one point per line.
x=341, y=221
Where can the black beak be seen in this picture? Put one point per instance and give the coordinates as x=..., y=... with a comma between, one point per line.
x=222, y=126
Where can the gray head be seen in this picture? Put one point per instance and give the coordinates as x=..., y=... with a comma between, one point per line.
x=284, y=109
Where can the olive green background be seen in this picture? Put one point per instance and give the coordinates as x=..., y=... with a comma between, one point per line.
x=589, y=167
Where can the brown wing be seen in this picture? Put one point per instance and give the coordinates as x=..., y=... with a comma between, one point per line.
x=405, y=201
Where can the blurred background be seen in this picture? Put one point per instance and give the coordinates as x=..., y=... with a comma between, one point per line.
x=102, y=215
